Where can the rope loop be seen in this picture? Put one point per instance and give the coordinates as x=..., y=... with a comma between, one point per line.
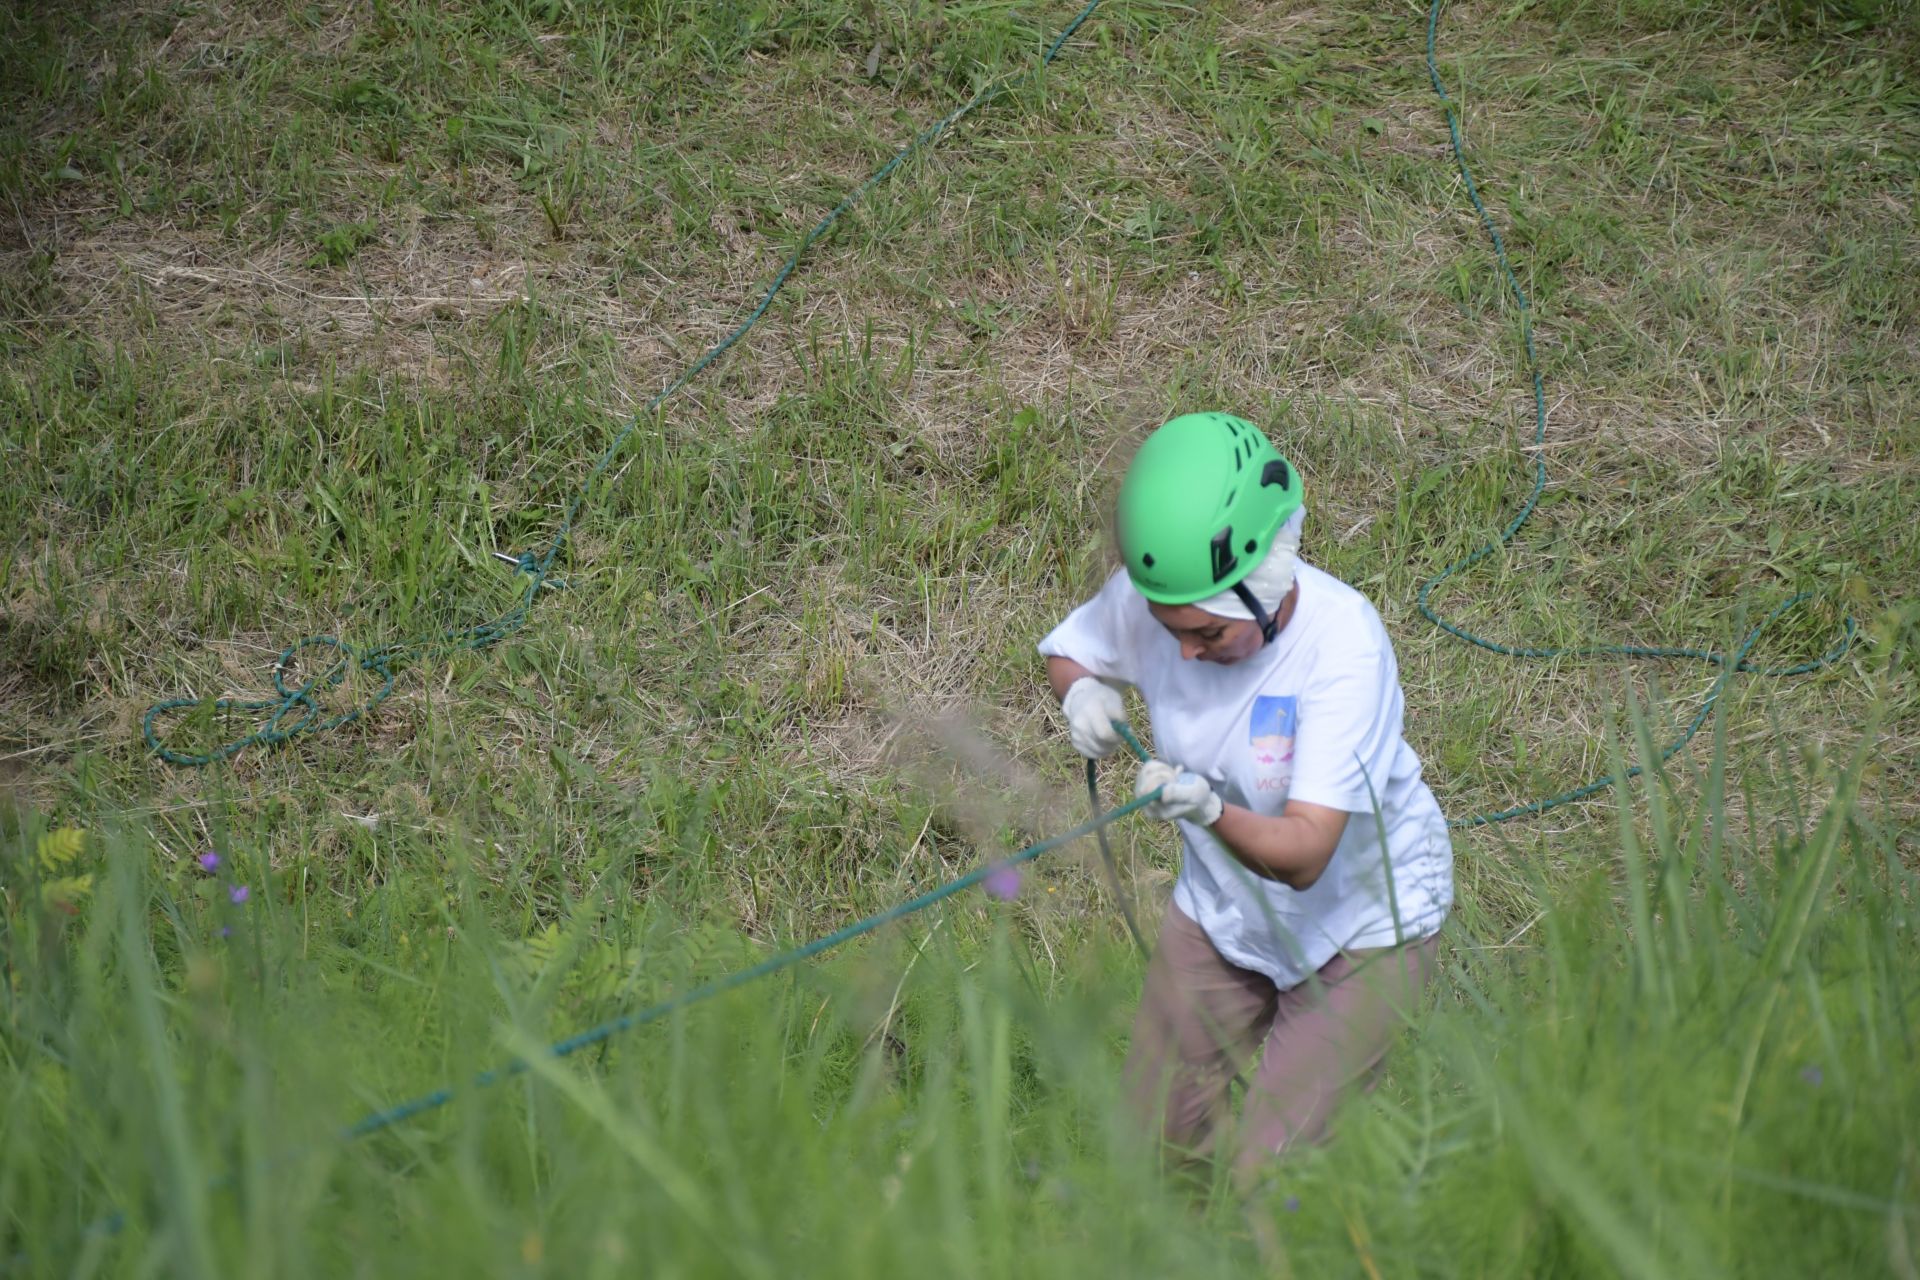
x=277, y=728
x=538, y=565
x=1729, y=665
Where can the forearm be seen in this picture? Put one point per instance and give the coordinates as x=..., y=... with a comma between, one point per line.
x=1062, y=672
x=1293, y=848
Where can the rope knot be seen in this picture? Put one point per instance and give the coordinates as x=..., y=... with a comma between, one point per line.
x=530, y=564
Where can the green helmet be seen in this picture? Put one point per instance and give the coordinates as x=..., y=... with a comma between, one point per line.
x=1200, y=506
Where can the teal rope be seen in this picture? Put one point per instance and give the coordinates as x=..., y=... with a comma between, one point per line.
x=295, y=709
x=387, y=1117
x=390, y=1116
x=1097, y=824
x=1728, y=665
x=300, y=700
x=1133, y=744
x=1106, y=851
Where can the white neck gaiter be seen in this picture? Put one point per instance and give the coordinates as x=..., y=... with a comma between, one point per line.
x=1269, y=582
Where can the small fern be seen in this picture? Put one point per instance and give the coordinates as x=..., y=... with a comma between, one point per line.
x=61, y=848
x=58, y=853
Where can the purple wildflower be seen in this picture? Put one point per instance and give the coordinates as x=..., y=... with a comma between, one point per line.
x=1812, y=1075
x=226, y=931
x=238, y=894
x=209, y=861
x=1293, y=1204
x=1003, y=883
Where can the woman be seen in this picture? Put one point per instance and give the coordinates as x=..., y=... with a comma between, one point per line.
x=1317, y=869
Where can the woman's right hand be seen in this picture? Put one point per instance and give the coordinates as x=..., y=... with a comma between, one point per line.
x=1091, y=706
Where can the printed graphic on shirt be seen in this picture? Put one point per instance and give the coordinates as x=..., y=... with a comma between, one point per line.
x=1270, y=732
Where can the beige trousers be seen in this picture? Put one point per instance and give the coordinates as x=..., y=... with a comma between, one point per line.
x=1202, y=1021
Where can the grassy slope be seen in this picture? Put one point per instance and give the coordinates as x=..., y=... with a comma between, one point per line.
x=307, y=309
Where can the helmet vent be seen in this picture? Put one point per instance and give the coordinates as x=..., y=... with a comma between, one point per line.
x=1275, y=472
x=1147, y=560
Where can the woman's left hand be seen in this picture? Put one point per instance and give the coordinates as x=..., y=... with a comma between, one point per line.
x=1183, y=794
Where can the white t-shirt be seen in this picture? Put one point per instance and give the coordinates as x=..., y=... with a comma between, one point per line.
x=1313, y=716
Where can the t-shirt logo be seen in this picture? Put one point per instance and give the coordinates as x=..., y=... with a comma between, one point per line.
x=1270, y=732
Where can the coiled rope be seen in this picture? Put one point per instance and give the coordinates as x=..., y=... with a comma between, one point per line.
x=1728, y=664
x=294, y=708
x=299, y=702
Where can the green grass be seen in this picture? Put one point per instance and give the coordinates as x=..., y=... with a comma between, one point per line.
x=307, y=309
x=1712, y=1076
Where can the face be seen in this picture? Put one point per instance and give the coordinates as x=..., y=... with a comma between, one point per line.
x=1206, y=637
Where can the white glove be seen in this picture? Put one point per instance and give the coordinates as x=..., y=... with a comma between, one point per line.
x=1182, y=794
x=1091, y=706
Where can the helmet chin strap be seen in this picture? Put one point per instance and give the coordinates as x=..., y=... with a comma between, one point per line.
x=1269, y=625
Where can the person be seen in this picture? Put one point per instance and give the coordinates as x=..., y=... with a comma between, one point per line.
x=1317, y=869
